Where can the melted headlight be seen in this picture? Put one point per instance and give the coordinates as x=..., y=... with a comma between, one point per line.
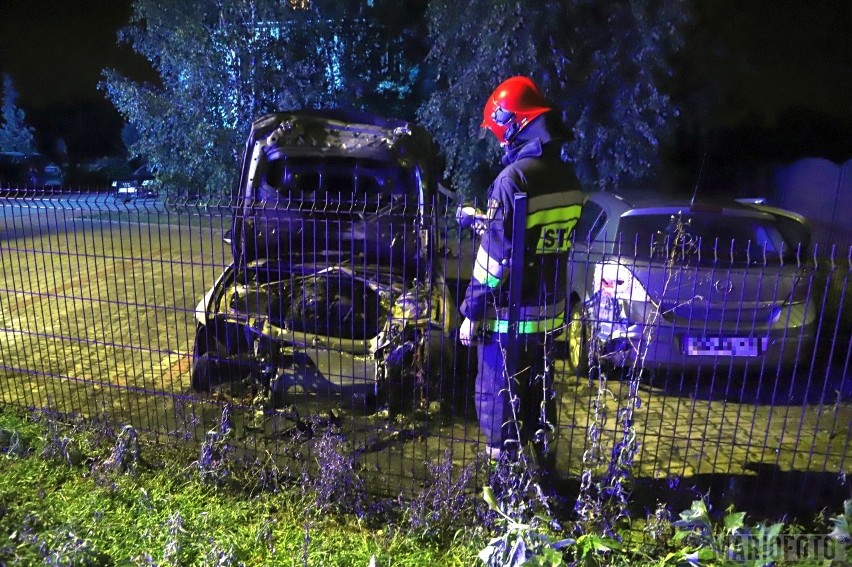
x=411, y=308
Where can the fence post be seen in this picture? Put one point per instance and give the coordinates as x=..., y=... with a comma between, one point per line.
x=516, y=275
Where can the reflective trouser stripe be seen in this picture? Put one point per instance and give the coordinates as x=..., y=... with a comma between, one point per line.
x=525, y=327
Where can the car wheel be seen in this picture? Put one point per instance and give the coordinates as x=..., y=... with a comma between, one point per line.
x=400, y=393
x=577, y=338
x=205, y=373
x=213, y=358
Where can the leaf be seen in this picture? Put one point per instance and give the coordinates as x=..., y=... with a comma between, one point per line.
x=697, y=512
x=734, y=521
x=774, y=531
x=490, y=498
x=518, y=554
x=608, y=544
x=490, y=551
x=551, y=558
x=562, y=543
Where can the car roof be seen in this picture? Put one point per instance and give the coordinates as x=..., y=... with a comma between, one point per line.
x=620, y=202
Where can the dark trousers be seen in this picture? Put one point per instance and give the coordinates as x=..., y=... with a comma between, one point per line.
x=493, y=393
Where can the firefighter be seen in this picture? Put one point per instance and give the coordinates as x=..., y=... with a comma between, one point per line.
x=522, y=120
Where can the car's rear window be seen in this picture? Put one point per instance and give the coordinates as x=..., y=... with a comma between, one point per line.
x=706, y=238
x=592, y=220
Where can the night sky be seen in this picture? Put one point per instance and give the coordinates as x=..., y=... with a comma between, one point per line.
x=768, y=66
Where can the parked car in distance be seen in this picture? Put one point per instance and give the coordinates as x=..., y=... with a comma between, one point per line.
x=52, y=176
x=138, y=185
x=332, y=291
x=20, y=170
x=689, y=283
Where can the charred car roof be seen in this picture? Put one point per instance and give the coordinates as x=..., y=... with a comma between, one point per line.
x=341, y=134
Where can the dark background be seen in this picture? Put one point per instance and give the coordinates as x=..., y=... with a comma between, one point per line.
x=54, y=51
x=757, y=80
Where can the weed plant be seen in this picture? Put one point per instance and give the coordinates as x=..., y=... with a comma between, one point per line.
x=605, y=482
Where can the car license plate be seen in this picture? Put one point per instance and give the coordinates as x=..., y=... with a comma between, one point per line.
x=724, y=346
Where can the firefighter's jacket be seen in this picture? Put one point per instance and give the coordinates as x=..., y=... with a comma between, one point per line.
x=532, y=166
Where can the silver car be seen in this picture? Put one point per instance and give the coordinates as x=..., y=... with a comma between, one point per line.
x=672, y=281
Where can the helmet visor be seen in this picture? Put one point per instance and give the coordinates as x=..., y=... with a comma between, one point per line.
x=497, y=122
x=501, y=117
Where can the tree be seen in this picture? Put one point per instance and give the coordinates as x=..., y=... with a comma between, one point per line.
x=600, y=62
x=15, y=135
x=223, y=63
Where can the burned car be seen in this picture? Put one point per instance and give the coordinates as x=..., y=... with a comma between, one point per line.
x=690, y=283
x=333, y=290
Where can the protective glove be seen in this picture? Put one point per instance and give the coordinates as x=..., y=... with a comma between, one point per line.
x=469, y=216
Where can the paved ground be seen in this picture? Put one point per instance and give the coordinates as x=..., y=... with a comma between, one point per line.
x=96, y=316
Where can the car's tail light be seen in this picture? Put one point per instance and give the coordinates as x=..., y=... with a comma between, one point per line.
x=614, y=279
x=618, y=284
x=801, y=287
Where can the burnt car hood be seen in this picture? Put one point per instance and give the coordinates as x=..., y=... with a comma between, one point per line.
x=345, y=309
x=332, y=187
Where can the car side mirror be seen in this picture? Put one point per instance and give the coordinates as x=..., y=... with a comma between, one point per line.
x=226, y=237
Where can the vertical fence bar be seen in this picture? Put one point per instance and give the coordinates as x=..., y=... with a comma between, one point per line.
x=516, y=275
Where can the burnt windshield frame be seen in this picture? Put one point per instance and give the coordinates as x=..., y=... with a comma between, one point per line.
x=329, y=179
x=704, y=238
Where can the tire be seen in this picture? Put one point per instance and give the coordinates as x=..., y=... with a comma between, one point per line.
x=205, y=374
x=577, y=356
x=400, y=392
x=213, y=361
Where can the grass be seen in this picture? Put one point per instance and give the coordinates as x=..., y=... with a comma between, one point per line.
x=81, y=493
x=60, y=505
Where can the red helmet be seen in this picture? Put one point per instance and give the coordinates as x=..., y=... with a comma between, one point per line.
x=511, y=107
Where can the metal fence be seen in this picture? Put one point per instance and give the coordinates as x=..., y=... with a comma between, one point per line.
x=99, y=316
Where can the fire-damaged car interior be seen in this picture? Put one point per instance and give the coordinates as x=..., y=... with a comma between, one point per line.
x=334, y=289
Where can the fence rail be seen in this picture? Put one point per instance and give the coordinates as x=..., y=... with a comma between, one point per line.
x=99, y=315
